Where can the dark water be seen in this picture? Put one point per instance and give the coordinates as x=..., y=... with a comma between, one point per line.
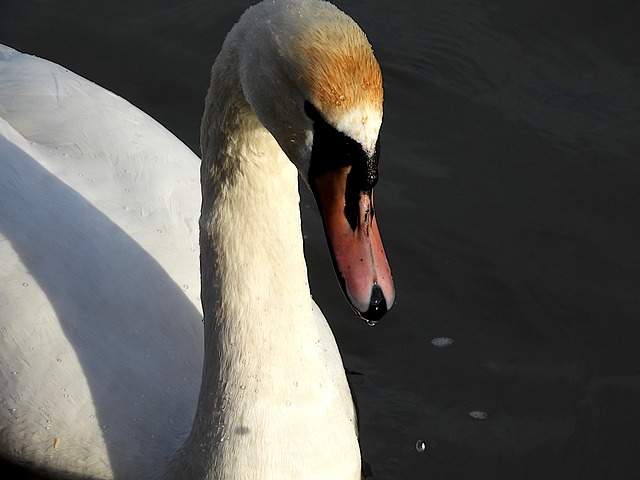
x=509, y=203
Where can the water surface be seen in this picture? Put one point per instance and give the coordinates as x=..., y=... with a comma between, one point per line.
x=509, y=202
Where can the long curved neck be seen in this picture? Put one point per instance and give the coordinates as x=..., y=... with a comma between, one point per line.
x=255, y=292
x=270, y=404
x=252, y=260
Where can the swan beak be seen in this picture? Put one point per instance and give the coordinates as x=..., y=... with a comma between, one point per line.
x=355, y=244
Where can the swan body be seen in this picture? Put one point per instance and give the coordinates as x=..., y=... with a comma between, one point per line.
x=106, y=367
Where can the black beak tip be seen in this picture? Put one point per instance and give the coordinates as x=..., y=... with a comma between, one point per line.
x=377, y=306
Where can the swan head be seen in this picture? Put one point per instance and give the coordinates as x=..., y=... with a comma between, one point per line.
x=311, y=78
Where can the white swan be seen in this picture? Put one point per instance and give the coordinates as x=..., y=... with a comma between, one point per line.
x=101, y=341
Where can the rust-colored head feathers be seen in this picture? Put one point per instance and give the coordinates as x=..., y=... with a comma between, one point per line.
x=335, y=63
x=340, y=69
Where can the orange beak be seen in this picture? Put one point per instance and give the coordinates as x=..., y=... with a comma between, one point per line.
x=355, y=244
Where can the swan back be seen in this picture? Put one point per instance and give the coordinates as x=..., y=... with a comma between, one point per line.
x=100, y=321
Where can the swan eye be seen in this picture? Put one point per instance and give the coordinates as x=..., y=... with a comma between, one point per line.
x=312, y=112
x=333, y=150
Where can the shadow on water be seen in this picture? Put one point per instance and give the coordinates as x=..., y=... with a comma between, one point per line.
x=136, y=335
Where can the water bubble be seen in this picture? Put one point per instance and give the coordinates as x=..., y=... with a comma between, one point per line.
x=242, y=387
x=59, y=360
x=441, y=342
x=25, y=284
x=478, y=415
x=288, y=403
x=421, y=446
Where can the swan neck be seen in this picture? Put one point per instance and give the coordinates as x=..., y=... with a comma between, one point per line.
x=272, y=375
x=266, y=371
x=252, y=259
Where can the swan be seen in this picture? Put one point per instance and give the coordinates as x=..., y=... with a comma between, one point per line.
x=124, y=354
